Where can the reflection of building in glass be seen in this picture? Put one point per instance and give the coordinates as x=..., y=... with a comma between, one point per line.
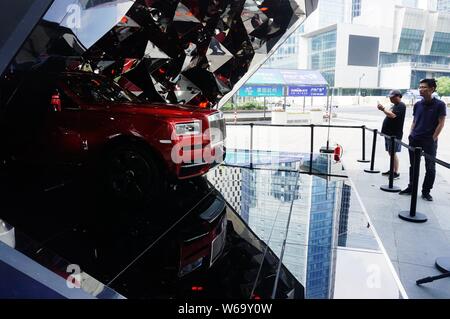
x=228, y=182
x=321, y=164
x=343, y=217
x=330, y=203
x=284, y=186
x=269, y=212
x=317, y=205
x=248, y=189
x=321, y=238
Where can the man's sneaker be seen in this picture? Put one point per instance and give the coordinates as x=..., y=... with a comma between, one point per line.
x=406, y=191
x=427, y=197
x=396, y=175
x=386, y=173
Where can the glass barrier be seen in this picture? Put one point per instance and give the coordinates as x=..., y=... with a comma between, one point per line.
x=314, y=224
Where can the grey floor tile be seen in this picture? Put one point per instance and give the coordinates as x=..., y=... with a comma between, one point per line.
x=442, y=214
x=419, y=246
x=438, y=289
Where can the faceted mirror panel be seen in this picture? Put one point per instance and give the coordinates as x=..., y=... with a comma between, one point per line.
x=192, y=52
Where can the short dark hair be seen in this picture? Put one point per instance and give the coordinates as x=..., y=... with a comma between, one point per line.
x=430, y=82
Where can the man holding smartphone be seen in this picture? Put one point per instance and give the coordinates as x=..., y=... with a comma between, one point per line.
x=393, y=126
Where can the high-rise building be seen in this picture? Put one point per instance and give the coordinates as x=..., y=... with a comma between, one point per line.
x=328, y=12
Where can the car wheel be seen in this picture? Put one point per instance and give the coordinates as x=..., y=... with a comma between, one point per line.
x=132, y=175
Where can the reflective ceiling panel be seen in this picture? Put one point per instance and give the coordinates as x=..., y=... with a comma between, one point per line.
x=184, y=51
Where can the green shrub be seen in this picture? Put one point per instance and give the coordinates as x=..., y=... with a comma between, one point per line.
x=251, y=106
x=227, y=107
x=248, y=106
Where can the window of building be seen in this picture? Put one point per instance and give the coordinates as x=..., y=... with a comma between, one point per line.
x=410, y=3
x=443, y=5
x=356, y=8
x=323, y=54
x=389, y=59
x=441, y=44
x=410, y=41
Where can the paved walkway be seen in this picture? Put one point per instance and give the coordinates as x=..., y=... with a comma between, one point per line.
x=411, y=247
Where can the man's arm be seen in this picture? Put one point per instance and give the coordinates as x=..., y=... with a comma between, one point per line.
x=412, y=127
x=439, y=128
x=388, y=113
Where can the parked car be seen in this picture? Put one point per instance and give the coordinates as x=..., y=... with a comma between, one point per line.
x=83, y=119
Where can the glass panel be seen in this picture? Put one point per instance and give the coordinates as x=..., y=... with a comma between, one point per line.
x=74, y=277
x=410, y=40
x=356, y=8
x=441, y=43
x=315, y=225
x=164, y=250
x=323, y=54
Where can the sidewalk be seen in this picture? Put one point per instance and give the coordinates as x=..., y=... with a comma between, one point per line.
x=411, y=247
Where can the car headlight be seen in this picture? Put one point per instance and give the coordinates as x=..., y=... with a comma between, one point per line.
x=216, y=117
x=191, y=128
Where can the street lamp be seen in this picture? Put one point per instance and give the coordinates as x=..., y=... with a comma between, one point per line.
x=359, y=87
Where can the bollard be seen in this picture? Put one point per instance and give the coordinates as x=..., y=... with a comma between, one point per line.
x=363, y=160
x=412, y=215
x=374, y=149
x=391, y=188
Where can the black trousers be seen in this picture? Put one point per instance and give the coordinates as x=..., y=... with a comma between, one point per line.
x=429, y=146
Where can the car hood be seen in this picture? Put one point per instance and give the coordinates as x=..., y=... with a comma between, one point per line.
x=162, y=110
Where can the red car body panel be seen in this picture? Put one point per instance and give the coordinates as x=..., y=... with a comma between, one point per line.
x=80, y=131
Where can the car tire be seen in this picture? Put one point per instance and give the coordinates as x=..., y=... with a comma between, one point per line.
x=132, y=175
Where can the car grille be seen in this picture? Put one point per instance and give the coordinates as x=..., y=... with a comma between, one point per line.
x=217, y=121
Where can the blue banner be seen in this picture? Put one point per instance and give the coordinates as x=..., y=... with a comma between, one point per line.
x=307, y=91
x=287, y=77
x=261, y=91
x=318, y=91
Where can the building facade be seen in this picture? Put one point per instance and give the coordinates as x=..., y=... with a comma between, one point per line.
x=371, y=46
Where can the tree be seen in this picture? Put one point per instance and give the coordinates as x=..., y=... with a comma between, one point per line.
x=443, y=88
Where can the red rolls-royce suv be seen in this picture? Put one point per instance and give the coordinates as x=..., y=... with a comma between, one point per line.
x=84, y=119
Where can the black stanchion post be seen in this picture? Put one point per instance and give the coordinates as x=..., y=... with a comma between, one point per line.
x=391, y=188
x=312, y=149
x=363, y=160
x=412, y=215
x=251, y=145
x=374, y=149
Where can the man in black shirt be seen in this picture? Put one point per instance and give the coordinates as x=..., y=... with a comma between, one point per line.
x=393, y=126
x=429, y=119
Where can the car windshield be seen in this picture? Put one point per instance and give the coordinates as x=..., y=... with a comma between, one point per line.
x=96, y=89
